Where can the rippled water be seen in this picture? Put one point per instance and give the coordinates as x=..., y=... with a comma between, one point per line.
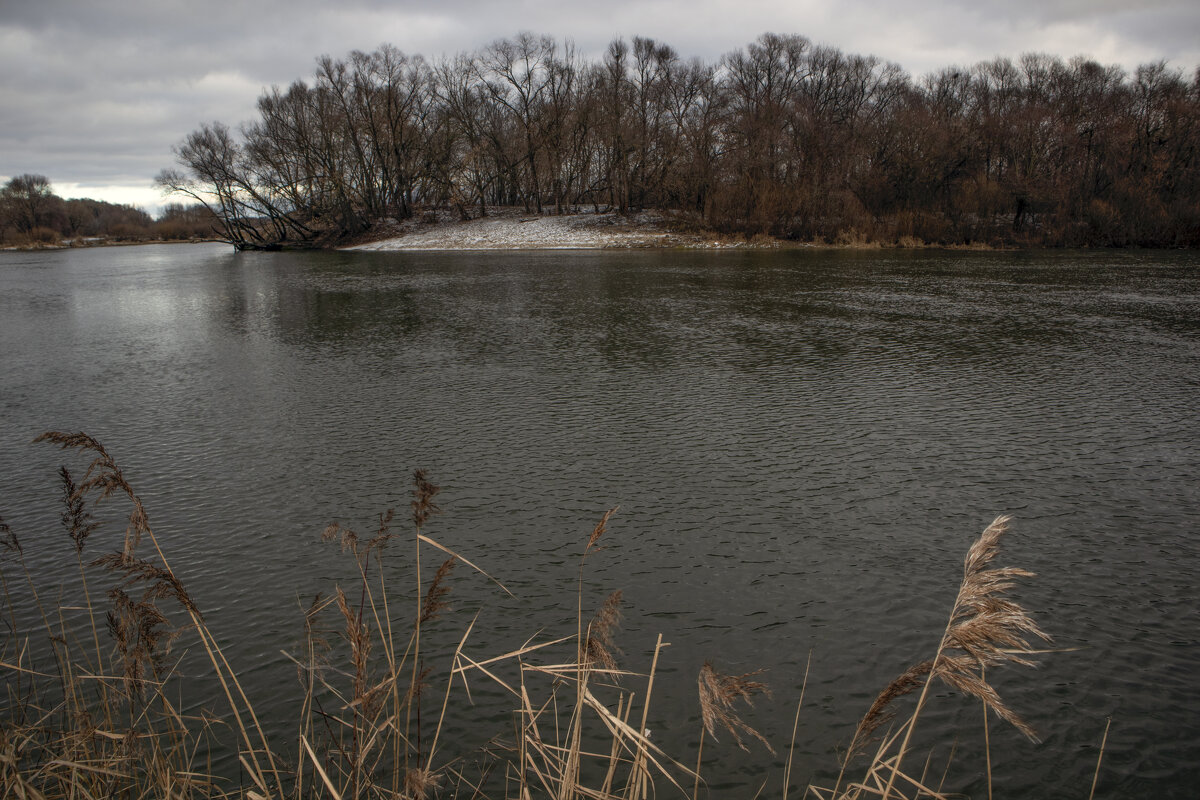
x=803, y=445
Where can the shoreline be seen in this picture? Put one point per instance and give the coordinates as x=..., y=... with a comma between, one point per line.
x=91, y=245
x=507, y=228
x=515, y=229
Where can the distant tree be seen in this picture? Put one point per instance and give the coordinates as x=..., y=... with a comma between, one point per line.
x=185, y=221
x=516, y=75
x=86, y=217
x=220, y=176
x=26, y=202
x=764, y=80
x=469, y=172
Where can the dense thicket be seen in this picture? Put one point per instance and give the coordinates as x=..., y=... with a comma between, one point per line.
x=782, y=137
x=32, y=214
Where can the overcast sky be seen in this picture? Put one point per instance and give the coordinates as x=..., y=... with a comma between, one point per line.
x=95, y=93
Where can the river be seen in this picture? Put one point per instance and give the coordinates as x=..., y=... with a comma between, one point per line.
x=803, y=444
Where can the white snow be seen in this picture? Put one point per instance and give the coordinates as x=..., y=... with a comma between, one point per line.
x=511, y=229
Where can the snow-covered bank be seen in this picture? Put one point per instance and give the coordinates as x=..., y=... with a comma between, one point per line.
x=512, y=229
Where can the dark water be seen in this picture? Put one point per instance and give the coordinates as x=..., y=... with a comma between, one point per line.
x=803, y=445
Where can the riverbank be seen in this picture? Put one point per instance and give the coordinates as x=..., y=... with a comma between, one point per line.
x=97, y=241
x=506, y=228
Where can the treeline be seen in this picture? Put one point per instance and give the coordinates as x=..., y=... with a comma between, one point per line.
x=782, y=137
x=31, y=214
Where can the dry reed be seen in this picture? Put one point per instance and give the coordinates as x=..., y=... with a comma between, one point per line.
x=717, y=695
x=87, y=719
x=985, y=629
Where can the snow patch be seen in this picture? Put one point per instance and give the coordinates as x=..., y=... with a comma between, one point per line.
x=510, y=229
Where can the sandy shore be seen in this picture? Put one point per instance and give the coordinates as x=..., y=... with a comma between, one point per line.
x=512, y=229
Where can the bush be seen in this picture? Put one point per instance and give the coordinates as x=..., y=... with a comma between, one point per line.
x=127, y=232
x=44, y=235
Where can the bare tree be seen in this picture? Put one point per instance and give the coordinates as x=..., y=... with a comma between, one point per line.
x=27, y=202
x=516, y=75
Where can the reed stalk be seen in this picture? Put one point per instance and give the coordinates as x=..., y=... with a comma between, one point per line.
x=1100, y=759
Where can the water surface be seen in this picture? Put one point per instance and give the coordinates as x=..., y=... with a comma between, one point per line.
x=803, y=445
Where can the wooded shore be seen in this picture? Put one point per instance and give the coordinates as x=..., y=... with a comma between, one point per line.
x=782, y=138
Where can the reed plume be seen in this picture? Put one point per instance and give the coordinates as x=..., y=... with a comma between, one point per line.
x=435, y=596
x=423, y=506
x=418, y=782
x=346, y=538
x=985, y=629
x=881, y=711
x=600, y=647
x=599, y=530
x=104, y=475
x=383, y=534
x=718, y=693
x=76, y=518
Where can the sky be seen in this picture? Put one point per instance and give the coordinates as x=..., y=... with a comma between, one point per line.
x=94, y=94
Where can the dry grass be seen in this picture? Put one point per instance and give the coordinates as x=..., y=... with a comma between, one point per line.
x=93, y=710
